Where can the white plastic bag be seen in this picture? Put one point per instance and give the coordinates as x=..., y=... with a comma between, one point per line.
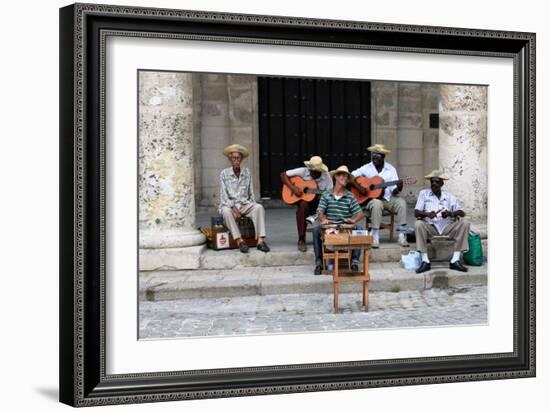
x=411, y=261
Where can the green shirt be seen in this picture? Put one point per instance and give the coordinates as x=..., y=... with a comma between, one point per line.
x=338, y=210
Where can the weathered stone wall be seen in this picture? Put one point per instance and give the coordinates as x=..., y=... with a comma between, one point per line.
x=229, y=115
x=430, y=105
x=463, y=145
x=214, y=133
x=400, y=113
x=225, y=111
x=384, y=116
x=243, y=121
x=410, y=137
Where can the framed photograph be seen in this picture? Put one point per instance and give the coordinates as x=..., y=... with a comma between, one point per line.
x=256, y=205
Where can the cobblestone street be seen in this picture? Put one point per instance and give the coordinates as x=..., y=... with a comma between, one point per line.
x=287, y=313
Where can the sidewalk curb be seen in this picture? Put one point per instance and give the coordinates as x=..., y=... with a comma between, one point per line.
x=160, y=286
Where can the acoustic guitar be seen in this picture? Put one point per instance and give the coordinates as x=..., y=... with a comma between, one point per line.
x=309, y=188
x=375, y=187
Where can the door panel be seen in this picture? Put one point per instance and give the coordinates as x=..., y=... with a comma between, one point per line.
x=301, y=117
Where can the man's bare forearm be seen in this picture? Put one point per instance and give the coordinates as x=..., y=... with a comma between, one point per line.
x=357, y=217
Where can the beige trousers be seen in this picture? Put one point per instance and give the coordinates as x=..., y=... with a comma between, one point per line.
x=375, y=207
x=457, y=230
x=254, y=211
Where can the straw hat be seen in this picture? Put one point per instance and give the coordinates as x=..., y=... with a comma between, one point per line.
x=235, y=148
x=341, y=169
x=437, y=174
x=379, y=148
x=315, y=163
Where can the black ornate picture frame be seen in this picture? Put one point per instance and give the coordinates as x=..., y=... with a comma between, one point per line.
x=83, y=379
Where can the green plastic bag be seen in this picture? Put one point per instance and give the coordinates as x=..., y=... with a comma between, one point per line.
x=474, y=256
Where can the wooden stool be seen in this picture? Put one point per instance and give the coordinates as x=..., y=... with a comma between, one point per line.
x=338, y=275
x=332, y=255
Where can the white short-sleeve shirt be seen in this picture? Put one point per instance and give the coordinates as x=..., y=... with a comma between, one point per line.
x=388, y=173
x=428, y=201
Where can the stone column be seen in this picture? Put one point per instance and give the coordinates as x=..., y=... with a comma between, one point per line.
x=463, y=146
x=166, y=166
x=197, y=131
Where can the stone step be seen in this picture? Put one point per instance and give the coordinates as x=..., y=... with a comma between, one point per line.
x=200, y=257
x=288, y=255
x=247, y=281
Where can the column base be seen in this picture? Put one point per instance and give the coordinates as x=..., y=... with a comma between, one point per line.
x=169, y=259
x=170, y=239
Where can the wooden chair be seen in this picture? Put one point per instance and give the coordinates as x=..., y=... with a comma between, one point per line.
x=383, y=226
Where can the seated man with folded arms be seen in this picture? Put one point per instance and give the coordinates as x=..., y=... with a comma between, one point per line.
x=237, y=198
x=314, y=170
x=436, y=208
x=337, y=206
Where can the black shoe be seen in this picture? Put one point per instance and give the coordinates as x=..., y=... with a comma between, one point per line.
x=263, y=247
x=318, y=269
x=457, y=265
x=302, y=246
x=423, y=267
x=243, y=247
x=354, y=267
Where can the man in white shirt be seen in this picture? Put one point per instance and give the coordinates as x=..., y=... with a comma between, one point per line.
x=390, y=200
x=436, y=207
x=314, y=170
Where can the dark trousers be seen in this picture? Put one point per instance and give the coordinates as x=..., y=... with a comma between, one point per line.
x=304, y=210
x=318, y=247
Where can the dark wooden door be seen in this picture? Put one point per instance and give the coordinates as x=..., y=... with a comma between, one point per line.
x=300, y=118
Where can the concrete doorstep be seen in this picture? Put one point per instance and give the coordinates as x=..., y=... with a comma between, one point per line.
x=203, y=258
x=295, y=279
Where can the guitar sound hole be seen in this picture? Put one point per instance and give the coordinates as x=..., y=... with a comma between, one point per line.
x=371, y=187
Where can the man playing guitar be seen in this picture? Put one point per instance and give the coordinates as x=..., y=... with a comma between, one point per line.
x=389, y=198
x=316, y=171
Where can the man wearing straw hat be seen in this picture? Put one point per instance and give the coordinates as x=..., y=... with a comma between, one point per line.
x=237, y=198
x=436, y=207
x=379, y=167
x=314, y=170
x=337, y=206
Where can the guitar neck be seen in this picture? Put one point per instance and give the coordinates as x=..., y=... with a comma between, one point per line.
x=314, y=191
x=387, y=183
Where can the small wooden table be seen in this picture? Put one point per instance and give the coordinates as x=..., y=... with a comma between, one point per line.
x=363, y=243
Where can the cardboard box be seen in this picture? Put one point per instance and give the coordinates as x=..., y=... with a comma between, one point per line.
x=360, y=239
x=337, y=239
x=222, y=239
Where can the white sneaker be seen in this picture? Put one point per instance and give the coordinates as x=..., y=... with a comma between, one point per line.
x=375, y=243
x=312, y=219
x=402, y=240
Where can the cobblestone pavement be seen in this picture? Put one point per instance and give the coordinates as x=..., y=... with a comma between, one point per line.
x=288, y=313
